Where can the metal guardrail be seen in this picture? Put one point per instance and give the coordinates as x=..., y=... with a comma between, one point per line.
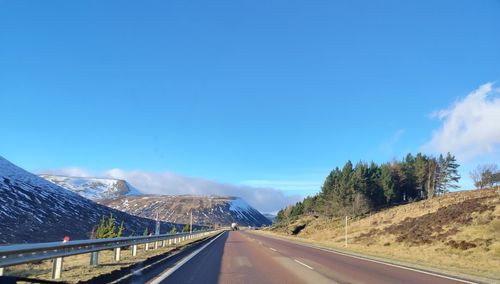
x=26, y=253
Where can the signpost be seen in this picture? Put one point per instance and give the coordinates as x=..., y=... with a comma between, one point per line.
x=346, y=230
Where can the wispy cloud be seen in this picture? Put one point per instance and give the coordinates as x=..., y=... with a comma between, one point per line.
x=286, y=185
x=388, y=146
x=263, y=198
x=69, y=171
x=470, y=127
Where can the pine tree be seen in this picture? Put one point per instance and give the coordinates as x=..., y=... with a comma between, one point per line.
x=432, y=168
x=421, y=174
x=410, y=179
x=186, y=228
x=107, y=229
x=101, y=229
x=173, y=230
x=451, y=171
x=441, y=176
x=376, y=193
x=110, y=228
x=120, y=230
x=387, y=183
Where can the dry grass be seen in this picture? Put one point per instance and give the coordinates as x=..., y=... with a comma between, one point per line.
x=464, y=230
x=76, y=268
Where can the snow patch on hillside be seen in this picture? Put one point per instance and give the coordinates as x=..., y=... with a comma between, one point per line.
x=239, y=205
x=94, y=188
x=13, y=172
x=33, y=209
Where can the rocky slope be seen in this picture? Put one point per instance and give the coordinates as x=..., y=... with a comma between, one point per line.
x=94, y=188
x=207, y=210
x=35, y=210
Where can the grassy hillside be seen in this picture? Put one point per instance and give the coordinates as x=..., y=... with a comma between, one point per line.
x=459, y=231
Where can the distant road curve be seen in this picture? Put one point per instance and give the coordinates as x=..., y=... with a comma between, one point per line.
x=241, y=257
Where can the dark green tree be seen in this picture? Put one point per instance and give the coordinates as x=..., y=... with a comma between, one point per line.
x=421, y=175
x=120, y=230
x=101, y=229
x=452, y=175
x=387, y=182
x=107, y=228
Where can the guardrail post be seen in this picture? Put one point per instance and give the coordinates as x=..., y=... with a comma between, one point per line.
x=1, y=268
x=146, y=246
x=169, y=241
x=117, y=254
x=94, y=258
x=156, y=245
x=163, y=243
x=134, y=250
x=57, y=265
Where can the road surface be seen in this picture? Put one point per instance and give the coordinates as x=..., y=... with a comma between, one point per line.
x=242, y=257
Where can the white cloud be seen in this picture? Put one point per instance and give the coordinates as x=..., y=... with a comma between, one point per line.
x=470, y=128
x=286, y=185
x=264, y=198
x=70, y=171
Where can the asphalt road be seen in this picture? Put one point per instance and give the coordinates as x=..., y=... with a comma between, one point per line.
x=242, y=257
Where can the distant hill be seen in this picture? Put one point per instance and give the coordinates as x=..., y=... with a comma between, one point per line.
x=33, y=209
x=207, y=210
x=94, y=188
x=269, y=216
x=120, y=195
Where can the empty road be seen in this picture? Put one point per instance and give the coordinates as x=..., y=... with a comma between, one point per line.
x=242, y=257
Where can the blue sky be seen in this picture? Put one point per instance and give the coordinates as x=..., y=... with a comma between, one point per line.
x=270, y=94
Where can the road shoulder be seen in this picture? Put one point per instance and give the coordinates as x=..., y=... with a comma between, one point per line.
x=375, y=258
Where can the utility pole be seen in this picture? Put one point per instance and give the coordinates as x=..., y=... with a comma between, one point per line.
x=346, y=230
x=191, y=223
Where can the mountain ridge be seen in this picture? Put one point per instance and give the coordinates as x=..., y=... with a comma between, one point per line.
x=117, y=194
x=207, y=210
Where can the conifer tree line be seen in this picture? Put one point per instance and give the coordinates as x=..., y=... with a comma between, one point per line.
x=355, y=190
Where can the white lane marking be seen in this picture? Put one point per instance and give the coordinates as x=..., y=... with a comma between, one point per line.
x=300, y=262
x=380, y=262
x=168, y=272
x=272, y=249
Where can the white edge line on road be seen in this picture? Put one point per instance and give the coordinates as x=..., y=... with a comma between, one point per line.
x=300, y=262
x=168, y=272
x=397, y=266
x=272, y=249
x=142, y=268
x=376, y=261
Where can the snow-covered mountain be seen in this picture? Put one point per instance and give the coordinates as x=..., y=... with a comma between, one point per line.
x=33, y=209
x=94, y=188
x=207, y=210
